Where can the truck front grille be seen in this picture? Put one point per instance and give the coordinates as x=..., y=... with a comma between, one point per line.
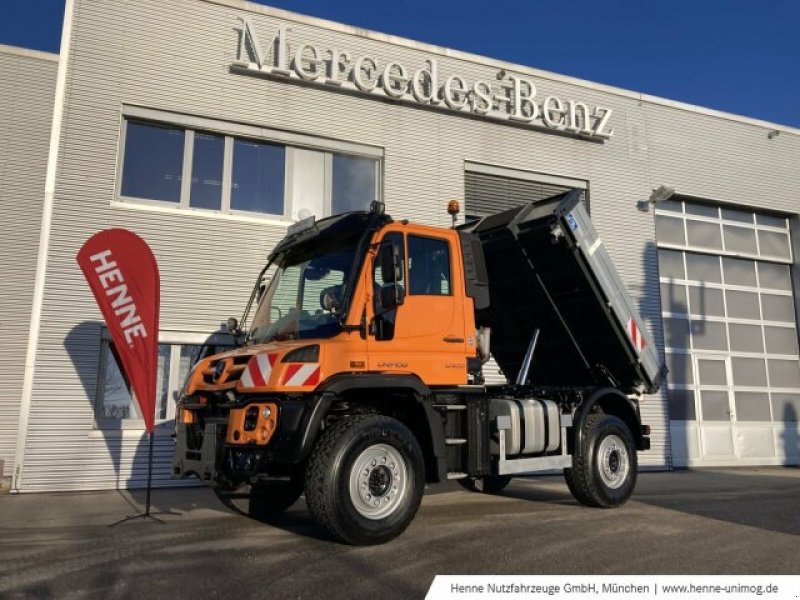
x=225, y=370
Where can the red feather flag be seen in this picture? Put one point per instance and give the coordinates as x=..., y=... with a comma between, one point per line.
x=123, y=275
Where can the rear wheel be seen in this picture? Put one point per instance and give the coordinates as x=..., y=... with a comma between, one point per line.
x=365, y=479
x=270, y=499
x=603, y=472
x=488, y=484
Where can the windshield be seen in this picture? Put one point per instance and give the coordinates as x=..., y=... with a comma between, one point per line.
x=304, y=295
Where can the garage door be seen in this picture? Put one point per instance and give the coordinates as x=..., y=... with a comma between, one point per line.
x=730, y=334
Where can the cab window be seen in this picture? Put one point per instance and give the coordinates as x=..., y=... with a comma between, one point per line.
x=428, y=266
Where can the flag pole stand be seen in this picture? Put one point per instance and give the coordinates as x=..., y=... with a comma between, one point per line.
x=147, y=514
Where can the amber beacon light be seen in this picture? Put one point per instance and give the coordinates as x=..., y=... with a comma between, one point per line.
x=453, y=208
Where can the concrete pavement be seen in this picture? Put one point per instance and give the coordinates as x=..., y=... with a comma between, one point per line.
x=737, y=521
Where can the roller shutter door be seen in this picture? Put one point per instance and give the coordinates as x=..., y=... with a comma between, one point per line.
x=486, y=194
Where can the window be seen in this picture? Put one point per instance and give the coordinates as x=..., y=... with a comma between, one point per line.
x=114, y=400
x=725, y=231
x=230, y=168
x=428, y=266
x=207, y=165
x=354, y=183
x=752, y=406
x=670, y=230
x=681, y=405
x=117, y=402
x=703, y=267
x=308, y=179
x=714, y=405
x=670, y=264
x=318, y=283
x=258, y=172
x=154, y=165
x=703, y=235
x=680, y=368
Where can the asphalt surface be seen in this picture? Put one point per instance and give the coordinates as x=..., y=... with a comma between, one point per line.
x=737, y=521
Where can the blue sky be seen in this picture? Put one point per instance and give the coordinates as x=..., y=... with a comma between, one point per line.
x=734, y=55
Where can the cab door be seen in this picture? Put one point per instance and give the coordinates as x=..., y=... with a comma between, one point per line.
x=424, y=333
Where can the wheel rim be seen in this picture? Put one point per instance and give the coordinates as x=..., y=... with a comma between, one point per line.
x=613, y=461
x=378, y=481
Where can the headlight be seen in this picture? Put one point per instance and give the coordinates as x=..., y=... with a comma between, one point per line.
x=305, y=354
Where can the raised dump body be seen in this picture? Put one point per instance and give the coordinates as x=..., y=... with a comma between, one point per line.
x=548, y=269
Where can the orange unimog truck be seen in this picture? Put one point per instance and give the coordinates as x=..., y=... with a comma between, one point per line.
x=358, y=377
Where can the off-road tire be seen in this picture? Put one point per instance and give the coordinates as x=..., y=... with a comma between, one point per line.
x=584, y=479
x=332, y=463
x=268, y=500
x=488, y=484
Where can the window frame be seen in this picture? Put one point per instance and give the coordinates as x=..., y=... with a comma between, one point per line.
x=176, y=340
x=230, y=131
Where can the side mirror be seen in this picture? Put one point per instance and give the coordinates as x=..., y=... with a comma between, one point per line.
x=391, y=296
x=391, y=263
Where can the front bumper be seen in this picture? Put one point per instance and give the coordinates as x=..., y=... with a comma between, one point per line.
x=207, y=454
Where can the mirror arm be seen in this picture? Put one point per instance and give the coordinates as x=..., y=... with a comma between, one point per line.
x=249, y=305
x=361, y=327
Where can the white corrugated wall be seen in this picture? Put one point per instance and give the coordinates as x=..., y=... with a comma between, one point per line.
x=27, y=87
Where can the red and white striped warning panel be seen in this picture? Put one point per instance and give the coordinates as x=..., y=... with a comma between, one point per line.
x=636, y=335
x=301, y=374
x=258, y=370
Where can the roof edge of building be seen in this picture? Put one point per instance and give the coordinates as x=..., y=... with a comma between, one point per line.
x=492, y=62
x=28, y=52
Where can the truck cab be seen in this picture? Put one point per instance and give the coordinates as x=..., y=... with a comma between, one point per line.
x=358, y=378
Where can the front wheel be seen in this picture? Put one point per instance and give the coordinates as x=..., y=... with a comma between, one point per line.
x=603, y=472
x=365, y=479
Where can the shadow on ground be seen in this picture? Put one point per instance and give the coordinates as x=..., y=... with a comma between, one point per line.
x=737, y=496
x=765, y=498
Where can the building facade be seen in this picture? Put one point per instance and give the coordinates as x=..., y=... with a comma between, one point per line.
x=206, y=126
x=27, y=87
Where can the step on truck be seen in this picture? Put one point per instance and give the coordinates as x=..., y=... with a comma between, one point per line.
x=358, y=376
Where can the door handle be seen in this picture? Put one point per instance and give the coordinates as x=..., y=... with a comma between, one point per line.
x=451, y=339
